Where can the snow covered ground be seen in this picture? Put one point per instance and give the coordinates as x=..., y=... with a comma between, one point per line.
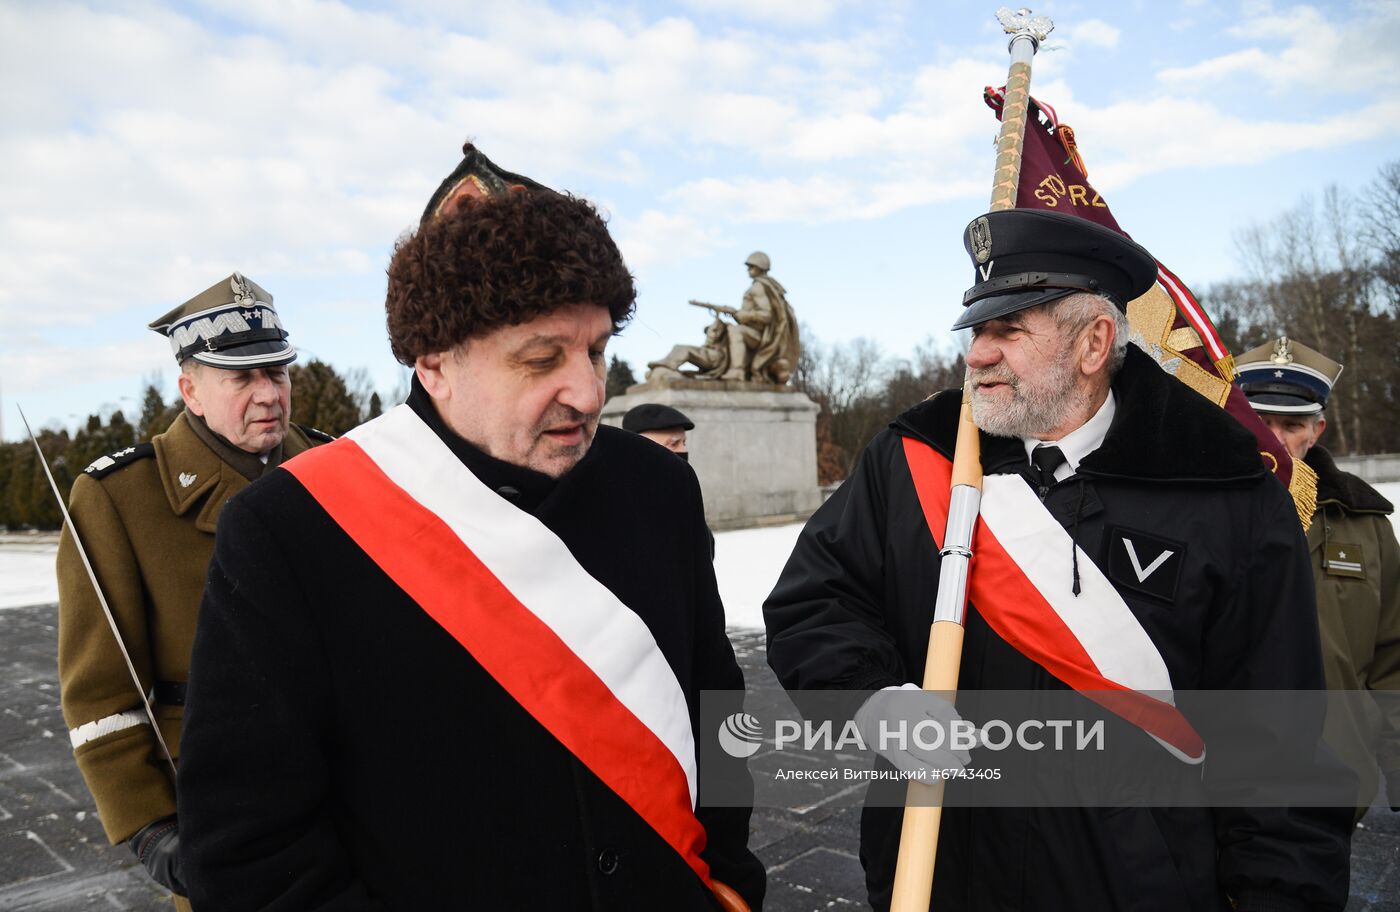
x=747, y=563
x=26, y=574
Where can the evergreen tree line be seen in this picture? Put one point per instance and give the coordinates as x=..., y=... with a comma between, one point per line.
x=321, y=398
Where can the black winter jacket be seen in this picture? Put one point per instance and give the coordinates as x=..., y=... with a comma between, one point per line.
x=1232, y=610
x=343, y=752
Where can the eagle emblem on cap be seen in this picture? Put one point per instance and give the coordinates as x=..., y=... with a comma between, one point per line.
x=242, y=294
x=979, y=238
x=1283, y=351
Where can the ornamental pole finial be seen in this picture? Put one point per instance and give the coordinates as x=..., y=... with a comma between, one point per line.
x=1021, y=24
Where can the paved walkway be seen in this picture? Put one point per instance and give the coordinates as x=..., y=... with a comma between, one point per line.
x=54, y=857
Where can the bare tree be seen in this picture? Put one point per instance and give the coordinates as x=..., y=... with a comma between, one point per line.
x=1313, y=284
x=360, y=386
x=845, y=380
x=1381, y=233
x=860, y=392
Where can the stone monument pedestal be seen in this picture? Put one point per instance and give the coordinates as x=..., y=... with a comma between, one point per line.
x=754, y=446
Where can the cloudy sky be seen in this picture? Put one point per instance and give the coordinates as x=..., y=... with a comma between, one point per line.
x=149, y=149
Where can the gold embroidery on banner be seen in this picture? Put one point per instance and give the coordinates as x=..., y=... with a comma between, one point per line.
x=1183, y=338
x=1052, y=189
x=1151, y=316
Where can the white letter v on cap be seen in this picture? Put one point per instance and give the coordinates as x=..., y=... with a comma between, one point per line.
x=1143, y=574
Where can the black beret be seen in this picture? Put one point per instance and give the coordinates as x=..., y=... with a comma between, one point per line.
x=1025, y=257
x=649, y=416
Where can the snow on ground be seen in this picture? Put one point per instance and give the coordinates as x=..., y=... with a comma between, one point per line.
x=747, y=561
x=747, y=564
x=26, y=574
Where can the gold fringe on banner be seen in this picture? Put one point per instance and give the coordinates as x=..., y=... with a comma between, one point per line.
x=1303, y=487
x=1226, y=366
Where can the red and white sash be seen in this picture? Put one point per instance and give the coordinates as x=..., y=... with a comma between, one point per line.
x=582, y=663
x=1021, y=584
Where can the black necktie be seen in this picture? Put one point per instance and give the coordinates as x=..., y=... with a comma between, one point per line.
x=1045, y=459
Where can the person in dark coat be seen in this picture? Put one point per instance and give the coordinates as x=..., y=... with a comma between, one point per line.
x=423, y=678
x=1159, y=493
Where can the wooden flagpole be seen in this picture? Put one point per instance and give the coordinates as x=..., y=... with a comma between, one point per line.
x=923, y=805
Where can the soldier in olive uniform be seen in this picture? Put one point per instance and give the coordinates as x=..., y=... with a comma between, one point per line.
x=1355, y=562
x=146, y=517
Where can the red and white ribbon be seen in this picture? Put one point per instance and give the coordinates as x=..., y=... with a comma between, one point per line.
x=1021, y=584
x=508, y=590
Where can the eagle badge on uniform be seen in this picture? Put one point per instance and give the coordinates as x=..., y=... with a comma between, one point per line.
x=186, y=479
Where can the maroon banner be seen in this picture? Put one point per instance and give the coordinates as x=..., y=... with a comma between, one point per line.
x=1054, y=177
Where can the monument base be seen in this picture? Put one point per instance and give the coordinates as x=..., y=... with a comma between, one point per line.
x=754, y=447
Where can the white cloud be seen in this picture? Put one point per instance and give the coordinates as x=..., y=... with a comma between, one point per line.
x=1129, y=141
x=32, y=370
x=1320, y=55
x=1093, y=33
x=148, y=150
x=149, y=153
x=790, y=12
x=655, y=238
x=825, y=197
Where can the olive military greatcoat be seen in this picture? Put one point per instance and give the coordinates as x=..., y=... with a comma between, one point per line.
x=146, y=517
x=1356, y=571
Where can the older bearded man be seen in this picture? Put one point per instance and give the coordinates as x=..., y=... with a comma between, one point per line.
x=1199, y=576
x=423, y=678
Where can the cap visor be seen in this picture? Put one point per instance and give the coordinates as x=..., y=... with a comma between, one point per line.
x=1004, y=305
x=247, y=357
x=1283, y=404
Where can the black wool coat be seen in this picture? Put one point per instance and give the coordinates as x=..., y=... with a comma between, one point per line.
x=343, y=752
x=853, y=606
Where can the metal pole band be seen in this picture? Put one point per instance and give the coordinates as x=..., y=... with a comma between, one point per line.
x=964, y=502
x=1023, y=54
x=950, y=604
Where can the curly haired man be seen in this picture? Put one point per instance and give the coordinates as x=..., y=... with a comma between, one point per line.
x=422, y=677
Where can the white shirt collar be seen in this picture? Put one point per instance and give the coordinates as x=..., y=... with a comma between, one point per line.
x=1081, y=441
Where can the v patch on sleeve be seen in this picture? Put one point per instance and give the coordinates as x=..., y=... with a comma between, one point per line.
x=1144, y=563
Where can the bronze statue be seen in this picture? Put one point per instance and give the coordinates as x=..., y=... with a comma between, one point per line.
x=761, y=345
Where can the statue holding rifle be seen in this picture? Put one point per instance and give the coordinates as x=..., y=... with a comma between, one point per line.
x=760, y=345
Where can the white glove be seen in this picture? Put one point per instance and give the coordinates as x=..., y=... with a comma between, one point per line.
x=889, y=723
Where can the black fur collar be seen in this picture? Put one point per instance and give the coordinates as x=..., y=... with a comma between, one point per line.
x=1162, y=431
x=1344, y=488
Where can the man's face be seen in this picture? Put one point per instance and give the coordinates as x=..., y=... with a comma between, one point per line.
x=1023, y=375
x=1297, y=433
x=529, y=394
x=672, y=439
x=248, y=408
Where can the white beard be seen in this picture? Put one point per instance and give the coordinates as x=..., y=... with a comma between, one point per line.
x=1033, y=411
